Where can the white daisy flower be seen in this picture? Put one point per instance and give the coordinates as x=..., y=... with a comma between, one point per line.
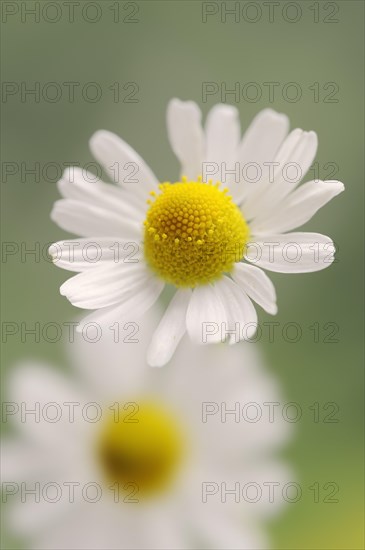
x=155, y=464
x=197, y=234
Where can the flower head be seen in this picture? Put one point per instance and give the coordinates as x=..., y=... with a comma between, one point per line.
x=123, y=453
x=188, y=230
x=208, y=234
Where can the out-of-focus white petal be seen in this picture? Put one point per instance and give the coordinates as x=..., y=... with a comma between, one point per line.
x=186, y=136
x=43, y=390
x=222, y=133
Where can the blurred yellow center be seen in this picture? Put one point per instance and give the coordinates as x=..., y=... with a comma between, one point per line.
x=194, y=233
x=142, y=449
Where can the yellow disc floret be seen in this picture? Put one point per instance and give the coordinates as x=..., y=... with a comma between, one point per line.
x=140, y=449
x=194, y=233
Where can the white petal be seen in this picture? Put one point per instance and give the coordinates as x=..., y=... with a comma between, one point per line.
x=82, y=186
x=87, y=220
x=77, y=528
x=257, y=285
x=205, y=308
x=85, y=254
x=171, y=329
x=135, y=305
x=300, y=159
x=266, y=468
x=222, y=130
x=104, y=286
x=123, y=164
x=34, y=386
x=220, y=528
x=298, y=207
x=240, y=312
x=256, y=198
x=19, y=459
x=163, y=528
x=29, y=519
x=259, y=145
x=262, y=139
x=291, y=164
x=122, y=351
x=292, y=252
x=186, y=136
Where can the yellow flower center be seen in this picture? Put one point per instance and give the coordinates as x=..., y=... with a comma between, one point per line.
x=140, y=448
x=194, y=233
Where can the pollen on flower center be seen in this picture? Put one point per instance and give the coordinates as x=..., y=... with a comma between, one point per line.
x=194, y=233
x=140, y=448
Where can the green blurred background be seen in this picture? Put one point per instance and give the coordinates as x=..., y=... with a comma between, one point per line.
x=169, y=51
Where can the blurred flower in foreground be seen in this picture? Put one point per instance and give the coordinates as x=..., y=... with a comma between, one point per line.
x=155, y=456
x=195, y=232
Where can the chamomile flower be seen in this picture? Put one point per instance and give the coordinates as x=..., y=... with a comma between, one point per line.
x=131, y=458
x=208, y=235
